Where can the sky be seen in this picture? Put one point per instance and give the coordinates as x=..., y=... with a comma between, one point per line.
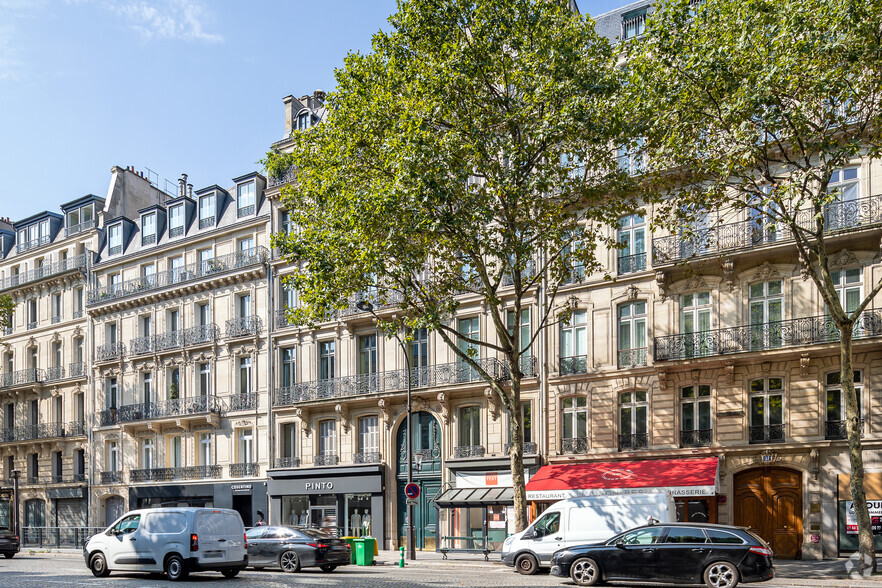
x=174, y=86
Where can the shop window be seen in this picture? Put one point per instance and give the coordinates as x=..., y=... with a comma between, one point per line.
x=767, y=410
x=695, y=416
x=358, y=514
x=836, y=421
x=295, y=510
x=633, y=420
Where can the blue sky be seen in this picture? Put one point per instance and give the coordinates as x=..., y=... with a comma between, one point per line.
x=177, y=86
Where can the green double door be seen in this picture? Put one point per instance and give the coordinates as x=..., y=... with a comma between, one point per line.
x=427, y=445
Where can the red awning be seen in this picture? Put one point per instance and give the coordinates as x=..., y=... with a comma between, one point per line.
x=695, y=476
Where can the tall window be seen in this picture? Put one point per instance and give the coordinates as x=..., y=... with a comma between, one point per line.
x=148, y=228
x=574, y=343
x=695, y=416
x=244, y=375
x=367, y=358
x=631, y=157
x=175, y=455
x=148, y=275
x=245, y=442
x=767, y=410
x=632, y=244
x=527, y=421
x=203, y=314
x=113, y=456
x=288, y=447
x=79, y=352
x=32, y=313
x=246, y=245
x=205, y=257
x=146, y=325
x=849, y=287
x=521, y=330
x=147, y=387
x=845, y=213
x=57, y=361
x=174, y=384
x=633, y=24
x=56, y=307
x=695, y=324
x=204, y=379
x=176, y=267
x=286, y=223
x=328, y=438
x=245, y=199
x=112, y=393
x=419, y=355
x=326, y=360
x=633, y=420
x=368, y=435
x=114, y=239
x=632, y=334
x=147, y=453
x=574, y=429
x=766, y=314
x=469, y=426
x=176, y=221
x=244, y=303
x=173, y=322
x=205, y=449
x=78, y=299
x=468, y=328
x=836, y=421
x=206, y=211
x=289, y=357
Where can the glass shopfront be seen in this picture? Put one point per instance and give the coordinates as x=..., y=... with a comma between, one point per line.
x=358, y=515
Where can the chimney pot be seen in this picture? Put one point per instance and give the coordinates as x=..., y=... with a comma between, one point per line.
x=190, y=190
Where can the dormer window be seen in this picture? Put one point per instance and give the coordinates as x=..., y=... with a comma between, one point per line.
x=176, y=220
x=148, y=228
x=633, y=24
x=245, y=199
x=206, y=211
x=114, y=239
x=33, y=236
x=303, y=121
x=80, y=219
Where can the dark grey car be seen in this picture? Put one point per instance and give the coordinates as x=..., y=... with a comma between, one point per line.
x=292, y=548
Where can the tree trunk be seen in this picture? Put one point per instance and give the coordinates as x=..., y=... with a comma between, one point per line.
x=855, y=452
x=516, y=453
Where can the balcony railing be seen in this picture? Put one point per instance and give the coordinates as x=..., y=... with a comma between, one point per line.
x=774, y=335
x=767, y=434
x=40, y=431
x=835, y=430
x=632, y=357
x=21, y=377
x=573, y=365
x=175, y=232
x=55, y=373
x=142, y=345
x=838, y=216
x=530, y=448
x=464, y=451
x=244, y=326
x=76, y=369
x=145, y=411
x=244, y=470
x=110, y=352
x=32, y=325
x=627, y=264
x=201, y=472
x=166, y=474
x=207, y=222
x=326, y=460
x=32, y=244
x=176, y=276
x=245, y=210
x=574, y=445
x=696, y=438
x=635, y=441
x=391, y=381
x=79, y=228
x=243, y=402
x=392, y=300
x=288, y=462
x=112, y=477
x=367, y=457
x=286, y=178
x=282, y=319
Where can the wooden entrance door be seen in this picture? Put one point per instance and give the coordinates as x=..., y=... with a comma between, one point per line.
x=769, y=501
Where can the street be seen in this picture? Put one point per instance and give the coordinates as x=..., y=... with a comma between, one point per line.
x=66, y=569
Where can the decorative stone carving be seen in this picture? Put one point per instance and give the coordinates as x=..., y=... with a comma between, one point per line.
x=696, y=374
x=767, y=367
x=663, y=380
x=343, y=413
x=804, y=363
x=660, y=283
x=728, y=267
x=632, y=292
x=386, y=410
x=445, y=407
x=730, y=372
x=494, y=402
x=303, y=414
x=843, y=258
x=814, y=463
x=695, y=282
x=765, y=271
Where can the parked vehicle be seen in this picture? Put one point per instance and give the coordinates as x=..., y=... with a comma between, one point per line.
x=9, y=543
x=678, y=553
x=176, y=541
x=292, y=548
x=586, y=519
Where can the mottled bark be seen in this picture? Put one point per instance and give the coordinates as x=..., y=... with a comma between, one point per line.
x=517, y=453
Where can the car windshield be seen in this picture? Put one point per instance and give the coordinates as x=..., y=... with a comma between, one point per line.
x=643, y=536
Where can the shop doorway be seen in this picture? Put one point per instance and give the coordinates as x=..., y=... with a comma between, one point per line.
x=113, y=509
x=242, y=505
x=769, y=501
x=427, y=448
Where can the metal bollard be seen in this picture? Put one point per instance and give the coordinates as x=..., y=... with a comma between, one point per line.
x=401, y=561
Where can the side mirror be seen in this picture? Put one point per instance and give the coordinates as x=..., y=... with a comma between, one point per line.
x=529, y=533
x=620, y=544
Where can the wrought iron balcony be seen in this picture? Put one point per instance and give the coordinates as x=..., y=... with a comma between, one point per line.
x=835, y=430
x=142, y=345
x=574, y=445
x=76, y=369
x=391, y=381
x=32, y=244
x=530, y=448
x=577, y=274
x=696, y=438
x=182, y=275
x=31, y=432
x=838, y=216
x=56, y=319
x=286, y=177
x=32, y=325
x=175, y=231
x=75, y=429
x=288, y=462
x=246, y=326
x=243, y=402
x=112, y=477
x=528, y=364
x=767, y=434
x=154, y=475
x=77, y=314
x=627, y=264
x=245, y=210
x=392, y=300
x=108, y=417
x=114, y=250
x=573, y=365
x=367, y=457
x=55, y=373
x=282, y=319
x=157, y=410
x=464, y=451
x=110, y=352
x=635, y=441
x=21, y=377
x=207, y=222
x=79, y=228
x=201, y=472
x=775, y=335
x=148, y=239
x=326, y=460
x=629, y=358
x=244, y=470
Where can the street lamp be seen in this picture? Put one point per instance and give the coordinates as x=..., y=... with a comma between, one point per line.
x=366, y=306
x=16, y=474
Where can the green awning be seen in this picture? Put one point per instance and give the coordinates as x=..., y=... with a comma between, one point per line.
x=475, y=497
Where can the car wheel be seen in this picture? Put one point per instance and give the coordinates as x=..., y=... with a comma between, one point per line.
x=328, y=568
x=98, y=565
x=175, y=568
x=230, y=573
x=721, y=574
x=9, y=555
x=585, y=572
x=289, y=562
x=526, y=564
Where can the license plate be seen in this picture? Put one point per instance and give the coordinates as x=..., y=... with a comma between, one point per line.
x=209, y=554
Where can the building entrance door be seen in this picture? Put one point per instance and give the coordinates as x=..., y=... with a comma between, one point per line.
x=769, y=501
x=427, y=446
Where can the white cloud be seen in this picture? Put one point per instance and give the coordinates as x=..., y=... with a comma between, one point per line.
x=184, y=20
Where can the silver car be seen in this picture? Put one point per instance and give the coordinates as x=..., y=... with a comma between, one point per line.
x=292, y=548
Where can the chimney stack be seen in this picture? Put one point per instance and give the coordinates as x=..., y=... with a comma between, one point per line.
x=190, y=190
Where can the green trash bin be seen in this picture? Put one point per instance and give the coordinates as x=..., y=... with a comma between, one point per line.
x=364, y=551
x=351, y=542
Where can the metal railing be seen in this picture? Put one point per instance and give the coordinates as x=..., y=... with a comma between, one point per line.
x=146, y=411
x=774, y=335
x=32, y=325
x=110, y=352
x=288, y=462
x=114, y=250
x=244, y=470
x=286, y=178
x=627, y=264
x=326, y=460
x=177, y=276
x=245, y=210
x=392, y=300
x=838, y=216
x=574, y=445
x=207, y=222
x=79, y=228
x=282, y=319
x=175, y=231
x=367, y=457
x=76, y=369
x=115, y=477
x=766, y=434
x=696, y=438
x=40, y=431
x=244, y=326
x=57, y=536
x=530, y=448
x=574, y=365
x=142, y=345
x=243, y=402
x=21, y=377
x=167, y=474
x=32, y=244
x=834, y=430
x=464, y=451
x=55, y=373
x=148, y=239
x=632, y=357
x=390, y=381
x=634, y=441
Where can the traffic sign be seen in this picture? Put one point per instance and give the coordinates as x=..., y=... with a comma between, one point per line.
x=412, y=491
x=412, y=501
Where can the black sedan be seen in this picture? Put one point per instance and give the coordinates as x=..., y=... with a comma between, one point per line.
x=678, y=553
x=9, y=544
x=292, y=548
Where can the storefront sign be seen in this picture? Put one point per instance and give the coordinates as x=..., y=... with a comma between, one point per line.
x=319, y=485
x=240, y=488
x=287, y=485
x=875, y=508
x=675, y=491
x=491, y=479
x=465, y=479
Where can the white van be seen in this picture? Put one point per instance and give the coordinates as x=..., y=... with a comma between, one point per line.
x=583, y=520
x=176, y=541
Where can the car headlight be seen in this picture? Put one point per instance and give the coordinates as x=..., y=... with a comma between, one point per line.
x=506, y=545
